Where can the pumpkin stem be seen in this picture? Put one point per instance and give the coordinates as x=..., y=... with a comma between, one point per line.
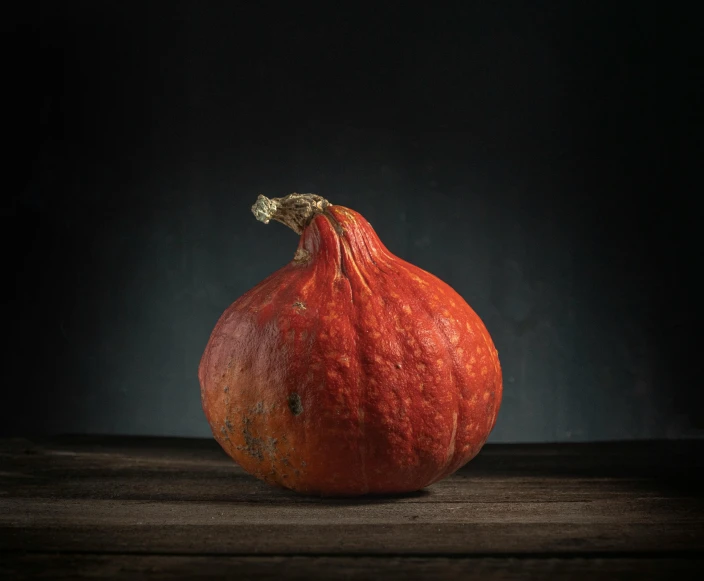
x=295, y=210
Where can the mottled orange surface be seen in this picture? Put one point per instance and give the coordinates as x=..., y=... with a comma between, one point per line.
x=350, y=371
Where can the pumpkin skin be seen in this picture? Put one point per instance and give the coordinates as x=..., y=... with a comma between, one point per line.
x=350, y=371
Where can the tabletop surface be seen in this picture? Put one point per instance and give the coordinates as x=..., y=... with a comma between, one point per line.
x=172, y=508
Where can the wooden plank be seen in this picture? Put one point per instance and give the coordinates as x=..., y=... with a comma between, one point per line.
x=410, y=538
x=232, y=485
x=175, y=568
x=679, y=466
x=114, y=513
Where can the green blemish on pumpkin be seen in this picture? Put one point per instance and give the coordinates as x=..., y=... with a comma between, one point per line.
x=294, y=404
x=252, y=445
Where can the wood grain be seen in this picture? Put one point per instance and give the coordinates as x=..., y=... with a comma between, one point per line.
x=114, y=507
x=360, y=539
x=176, y=568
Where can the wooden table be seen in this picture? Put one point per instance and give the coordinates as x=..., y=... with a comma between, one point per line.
x=135, y=508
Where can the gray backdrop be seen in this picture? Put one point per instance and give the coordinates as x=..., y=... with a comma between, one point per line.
x=507, y=155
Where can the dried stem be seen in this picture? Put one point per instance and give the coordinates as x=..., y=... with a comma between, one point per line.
x=294, y=210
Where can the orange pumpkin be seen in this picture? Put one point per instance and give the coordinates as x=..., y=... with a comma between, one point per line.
x=348, y=371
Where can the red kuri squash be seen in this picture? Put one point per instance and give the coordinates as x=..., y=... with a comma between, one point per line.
x=348, y=371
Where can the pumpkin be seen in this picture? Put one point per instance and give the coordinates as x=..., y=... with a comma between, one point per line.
x=348, y=371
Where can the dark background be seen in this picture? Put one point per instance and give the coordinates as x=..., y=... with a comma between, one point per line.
x=510, y=148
